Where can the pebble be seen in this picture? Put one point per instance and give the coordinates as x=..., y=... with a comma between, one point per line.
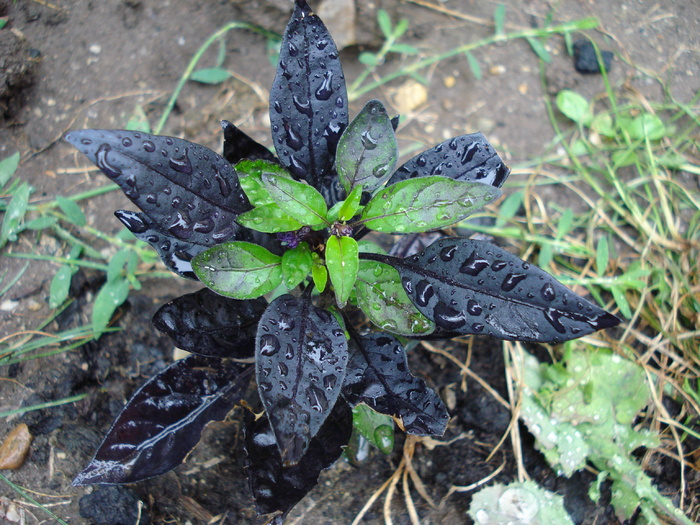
x=14, y=449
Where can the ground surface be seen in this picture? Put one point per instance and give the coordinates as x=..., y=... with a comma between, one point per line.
x=87, y=64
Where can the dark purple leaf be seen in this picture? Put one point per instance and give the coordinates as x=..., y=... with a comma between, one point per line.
x=209, y=324
x=277, y=488
x=185, y=190
x=473, y=287
x=164, y=419
x=467, y=158
x=378, y=376
x=308, y=102
x=239, y=146
x=300, y=359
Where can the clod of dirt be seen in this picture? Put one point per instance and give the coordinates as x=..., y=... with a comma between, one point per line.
x=14, y=449
x=113, y=505
x=16, y=70
x=586, y=60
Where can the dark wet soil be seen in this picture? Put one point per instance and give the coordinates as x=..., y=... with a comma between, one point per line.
x=86, y=63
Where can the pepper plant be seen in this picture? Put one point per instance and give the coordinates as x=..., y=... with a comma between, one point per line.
x=251, y=225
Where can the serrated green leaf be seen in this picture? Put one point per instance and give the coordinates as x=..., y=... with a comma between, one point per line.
x=499, y=19
x=349, y=207
x=377, y=428
x=474, y=65
x=250, y=176
x=72, y=211
x=574, y=106
x=342, y=263
x=425, y=203
x=384, y=23
x=539, y=49
x=212, y=75
x=296, y=265
x=299, y=200
x=383, y=299
x=109, y=298
x=14, y=214
x=240, y=270
x=367, y=150
x=269, y=218
x=601, y=255
x=8, y=167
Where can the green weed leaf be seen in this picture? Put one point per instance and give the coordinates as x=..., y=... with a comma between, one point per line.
x=499, y=19
x=212, y=75
x=368, y=59
x=296, y=265
x=138, y=121
x=299, y=200
x=14, y=215
x=644, y=126
x=574, y=106
x=385, y=23
x=377, y=428
x=474, y=65
x=367, y=150
x=342, y=263
x=269, y=218
x=425, y=203
x=240, y=270
x=404, y=49
x=8, y=167
x=60, y=284
x=602, y=255
x=109, y=298
x=71, y=210
x=539, y=49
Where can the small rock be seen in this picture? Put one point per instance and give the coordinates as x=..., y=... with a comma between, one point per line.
x=449, y=81
x=585, y=59
x=410, y=96
x=498, y=69
x=339, y=16
x=14, y=449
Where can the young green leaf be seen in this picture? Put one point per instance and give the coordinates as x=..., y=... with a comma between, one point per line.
x=109, y=298
x=474, y=65
x=240, y=270
x=296, y=265
x=499, y=19
x=425, y=203
x=404, y=49
x=268, y=218
x=383, y=299
x=574, y=106
x=367, y=150
x=60, y=284
x=539, y=49
x=8, y=167
x=349, y=207
x=212, y=75
x=71, y=210
x=14, y=214
x=299, y=200
x=377, y=428
x=385, y=23
x=250, y=175
x=342, y=263
x=138, y=121
x=115, y=268
x=319, y=273
x=368, y=59
x=601, y=255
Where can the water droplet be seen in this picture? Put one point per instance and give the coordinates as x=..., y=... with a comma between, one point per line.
x=303, y=106
x=421, y=161
x=111, y=171
x=286, y=322
x=283, y=369
x=151, y=198
x=177, y=201
x=553, y=317
x=325, y=90
x=368, y=142
x=469, y=152
x=293, y=139
x=473, y=265
x=447, y=317
x=206, y=225
x=329, y=382
x=384, y=438
x=478, y=327
x=269, y=345
x=278, y=107
x=289, y=354
x=126, y=142
x=447, y=253
x=498, y=265
x=473, y=308
x=169, y=141
x=424, y=292
x=265, y=387
x=407, y=285
x=511, y=281
x=181, y=164
x=293, y=50
x=389, y=324
x=317, y=399
x=321, y=44
x=84, y=142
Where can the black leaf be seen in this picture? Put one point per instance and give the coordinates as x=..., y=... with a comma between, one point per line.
x=308, y=102
x=473, y=287
x=164, y=419
x=300, y=358
x=467, y=158
x=239, y=146
x=186, y=190
x=209, y=324
x=378, y=376
x=277, y=488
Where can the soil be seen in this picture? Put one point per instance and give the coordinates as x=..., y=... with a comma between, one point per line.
x=88, y=64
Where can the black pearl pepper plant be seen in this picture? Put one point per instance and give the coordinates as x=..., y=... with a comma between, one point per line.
x=252, y=226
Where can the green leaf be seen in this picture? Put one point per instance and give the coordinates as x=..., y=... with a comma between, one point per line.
x=109, y=298
x=385, y=23
x=602, y=255
x=41, y=223
x=574, y=106
x=401, y=28
x=72, y=211
x=603, y=125
x=268, y=218
x=644, y=126
x=474, y=65
x=377, y=428
x=250, y=176
x=138, y=121
x=539, y=49
x=350, y=205
x=212, y=75
x=367, y=150
x=319, y=273
x=621, y=301
x=499, y=19
x=296, y=265
x=8, y=167
x=299, y=200
x=60, y=284
x=14, y=214
x=404, y=49
x=368, y=59
x=3, y=21
x=342, y=263
x=425, y=203
x=508, y=208
x=240, y=270
x=115, y=268
x=383, y=299
x=565, y=222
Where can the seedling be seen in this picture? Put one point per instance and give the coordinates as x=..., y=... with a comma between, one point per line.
x=251, y=225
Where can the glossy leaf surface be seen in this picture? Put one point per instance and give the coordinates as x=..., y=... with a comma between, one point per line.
x=378, y=376
x=186, y=190
x=300, y=359
x=425, y=203
x=269, y=218
x=473, y=287
x=239, y=146
x=250, y=173
x=308, y=101
x=209, y=324
x=367, y=151
x=240, y=270
x=277, y=488
x=299, y=200
x=375, y=427
x=164, y=419
x=467, y=157
x=342, y=263
x=296, y=265
x=382, y=298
